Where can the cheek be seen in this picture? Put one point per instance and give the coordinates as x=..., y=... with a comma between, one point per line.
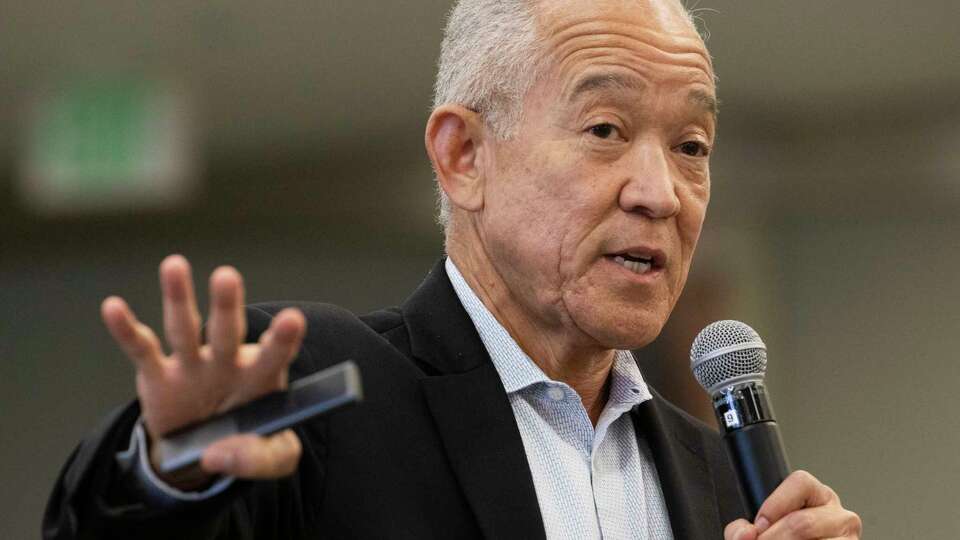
x=544, y=197
x=689, y=225
x=527, y=212
x=694, y=199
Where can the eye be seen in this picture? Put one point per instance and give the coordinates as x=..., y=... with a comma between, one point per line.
x=694, y=148
x=602, y=131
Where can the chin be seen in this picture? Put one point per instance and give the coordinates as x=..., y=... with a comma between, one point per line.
x=636, y=337
x=626, y=328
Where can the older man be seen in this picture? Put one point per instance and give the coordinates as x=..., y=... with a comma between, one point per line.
x=571, y=142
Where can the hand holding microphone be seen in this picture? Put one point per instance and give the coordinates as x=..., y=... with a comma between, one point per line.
x=729, y=360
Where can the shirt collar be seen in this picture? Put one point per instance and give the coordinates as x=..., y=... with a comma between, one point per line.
x=517, y=371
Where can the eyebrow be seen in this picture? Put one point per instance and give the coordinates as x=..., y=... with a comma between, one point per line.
x=706, y=101
x=607, y=81
x=612, y=81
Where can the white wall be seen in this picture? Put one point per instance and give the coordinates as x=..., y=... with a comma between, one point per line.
x=866, y=372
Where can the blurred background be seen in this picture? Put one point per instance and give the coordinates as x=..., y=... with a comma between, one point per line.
x=286, y=138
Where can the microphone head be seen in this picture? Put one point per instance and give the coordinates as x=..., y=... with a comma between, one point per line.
x=727, y=353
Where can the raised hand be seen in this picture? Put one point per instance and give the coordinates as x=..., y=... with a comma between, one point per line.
x=197, y=380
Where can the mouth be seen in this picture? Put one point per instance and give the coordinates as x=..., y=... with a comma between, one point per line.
x=639, y=261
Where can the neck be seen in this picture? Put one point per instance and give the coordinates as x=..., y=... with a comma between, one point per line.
x=555, y=349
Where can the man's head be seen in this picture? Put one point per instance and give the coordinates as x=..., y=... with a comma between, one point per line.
x=573, y=143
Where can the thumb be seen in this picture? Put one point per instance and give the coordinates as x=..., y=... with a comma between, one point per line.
x=252, y=456
x=740, y=529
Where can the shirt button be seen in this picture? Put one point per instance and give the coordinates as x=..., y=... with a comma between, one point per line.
x=555, y=393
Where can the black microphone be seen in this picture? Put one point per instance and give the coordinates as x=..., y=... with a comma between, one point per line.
x=729, y=360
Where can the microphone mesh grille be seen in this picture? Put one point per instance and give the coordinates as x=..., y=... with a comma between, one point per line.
x=748, y=363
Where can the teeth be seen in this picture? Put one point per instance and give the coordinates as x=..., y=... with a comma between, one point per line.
x=634, y=266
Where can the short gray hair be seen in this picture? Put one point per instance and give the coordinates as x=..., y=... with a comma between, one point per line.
x=488, y=62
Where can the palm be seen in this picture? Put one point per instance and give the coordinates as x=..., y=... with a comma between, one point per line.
x=179, y=395
x=198, y=380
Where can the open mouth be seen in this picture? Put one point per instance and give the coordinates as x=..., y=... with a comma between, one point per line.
x=638, y=263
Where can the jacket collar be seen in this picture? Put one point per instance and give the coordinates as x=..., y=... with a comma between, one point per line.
x=441, y=333
x=685, y=476
x=472, y=412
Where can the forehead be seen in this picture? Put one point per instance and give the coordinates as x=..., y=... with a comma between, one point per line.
x=668, y=15
x=653, y=39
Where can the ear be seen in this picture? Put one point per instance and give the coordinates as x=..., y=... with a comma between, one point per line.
x=454, y=140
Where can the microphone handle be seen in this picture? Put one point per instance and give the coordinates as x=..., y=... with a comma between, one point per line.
x=756, y=451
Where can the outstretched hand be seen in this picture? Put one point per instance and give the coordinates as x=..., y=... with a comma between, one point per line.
x=198, y=380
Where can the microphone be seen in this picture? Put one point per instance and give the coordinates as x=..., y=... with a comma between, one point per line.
x=729, y=360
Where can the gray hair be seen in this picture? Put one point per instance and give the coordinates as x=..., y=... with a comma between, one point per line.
x=488, y=62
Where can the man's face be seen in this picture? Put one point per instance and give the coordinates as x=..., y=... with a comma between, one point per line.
x=593, y=210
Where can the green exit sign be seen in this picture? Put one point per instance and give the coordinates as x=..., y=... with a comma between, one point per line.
x=111, y=145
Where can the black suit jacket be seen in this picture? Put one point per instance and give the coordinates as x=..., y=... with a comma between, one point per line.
x=432, y=452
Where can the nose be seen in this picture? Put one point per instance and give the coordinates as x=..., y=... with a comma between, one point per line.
x=650, y=186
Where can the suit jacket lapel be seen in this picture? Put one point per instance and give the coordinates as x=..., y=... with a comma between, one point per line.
x=684, y=474
x=486, y=452
x=472, y=412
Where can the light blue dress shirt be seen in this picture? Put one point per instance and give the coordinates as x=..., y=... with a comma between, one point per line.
x=591, y=482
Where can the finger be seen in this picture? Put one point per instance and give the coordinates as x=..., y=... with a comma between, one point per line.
x=280, y=343
x=797, y=491
x=181, y=320
x=740, y=529
x=253, y=456
x=136, y=339
x=816, y=522
x=228, y=324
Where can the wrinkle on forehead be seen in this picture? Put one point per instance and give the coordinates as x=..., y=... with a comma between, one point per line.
x=667, y=15
x=612, y=82
x=658, y=29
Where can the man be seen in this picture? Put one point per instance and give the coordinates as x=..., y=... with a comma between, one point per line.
x=570, y=141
